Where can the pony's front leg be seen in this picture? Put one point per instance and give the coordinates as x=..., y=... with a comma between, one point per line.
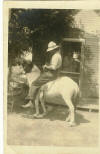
x=39, y=97
x=42, y=103
x=37, y=107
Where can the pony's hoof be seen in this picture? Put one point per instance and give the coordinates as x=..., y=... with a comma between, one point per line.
x=35, y=115
x=38, y=115
x=71, y=124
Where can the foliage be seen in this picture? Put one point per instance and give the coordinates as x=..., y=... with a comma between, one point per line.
x=36, y=27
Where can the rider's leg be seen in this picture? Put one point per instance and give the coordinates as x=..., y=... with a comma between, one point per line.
x=31, y=96
x=29, y=104
x=43, y=78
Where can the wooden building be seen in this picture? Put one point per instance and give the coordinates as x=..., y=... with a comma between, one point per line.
x=89, y=22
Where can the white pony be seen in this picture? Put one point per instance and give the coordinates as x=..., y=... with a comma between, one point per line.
x=63, y=90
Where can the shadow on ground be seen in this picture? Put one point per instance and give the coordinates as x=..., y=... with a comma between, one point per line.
x=54, y=112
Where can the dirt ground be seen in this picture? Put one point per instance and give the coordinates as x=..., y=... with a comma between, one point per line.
x=52, y=129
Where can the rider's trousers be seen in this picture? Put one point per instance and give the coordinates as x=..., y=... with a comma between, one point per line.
x=44, y=77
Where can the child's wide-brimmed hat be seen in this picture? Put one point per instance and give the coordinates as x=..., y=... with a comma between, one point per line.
x=52, y=46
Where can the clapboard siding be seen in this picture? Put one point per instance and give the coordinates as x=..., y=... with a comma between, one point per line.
x=90, y=78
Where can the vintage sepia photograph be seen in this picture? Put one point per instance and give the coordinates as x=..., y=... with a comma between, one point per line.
x=53, y=84
x=52, y=77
